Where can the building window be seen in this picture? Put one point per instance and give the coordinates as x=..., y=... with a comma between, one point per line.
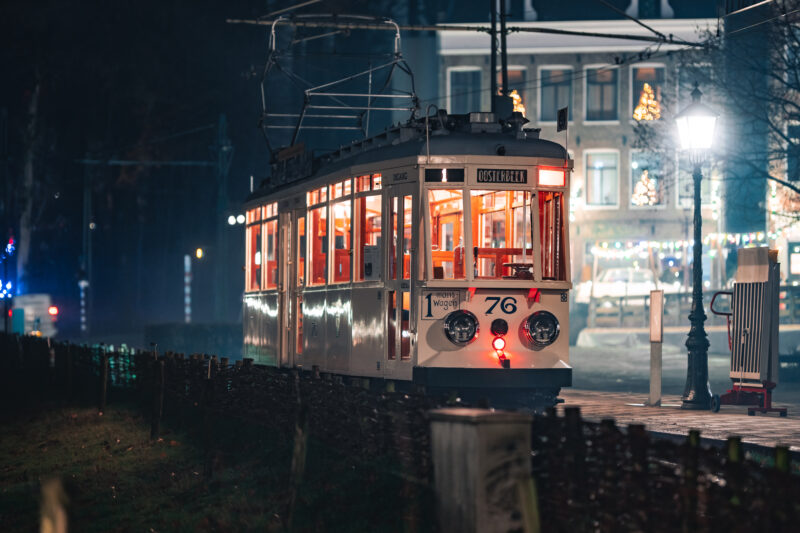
x=646, y=179
x=556, y=92
x=516, y=87
x=793, y=153
x=465, y=91
x=602, y=178
x=647, y=89
x=601, y=94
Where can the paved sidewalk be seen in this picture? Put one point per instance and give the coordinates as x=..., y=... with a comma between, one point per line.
x=760, y=430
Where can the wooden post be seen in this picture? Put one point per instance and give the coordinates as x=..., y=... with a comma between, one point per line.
x=482, y=471
x=158, y=398
x=656, y=339
x=103, y=382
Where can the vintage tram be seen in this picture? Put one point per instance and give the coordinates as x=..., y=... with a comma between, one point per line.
x=435, y=254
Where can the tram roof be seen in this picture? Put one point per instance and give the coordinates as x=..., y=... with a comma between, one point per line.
x=476, y=134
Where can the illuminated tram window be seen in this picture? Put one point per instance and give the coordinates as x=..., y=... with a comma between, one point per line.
x=406, y=217
x=391, y=314
x=253, y=258
x=341, y=242
x=447, y=233
x=405, y=329
x=318, y=254
x=368, y=238
x=501, y=234
x=301, y=251
x=551, y=224
x=270, y=259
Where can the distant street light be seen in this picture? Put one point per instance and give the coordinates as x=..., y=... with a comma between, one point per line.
x=240, y=219
x=696, y=130
x=231, y=220
x=198, y=253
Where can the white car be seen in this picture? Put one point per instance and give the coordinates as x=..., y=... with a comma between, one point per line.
x=40, y=314
x=623, y=281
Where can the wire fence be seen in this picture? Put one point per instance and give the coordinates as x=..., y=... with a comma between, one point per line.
x=588, y=476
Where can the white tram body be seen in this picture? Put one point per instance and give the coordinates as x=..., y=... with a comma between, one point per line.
x=444, y=236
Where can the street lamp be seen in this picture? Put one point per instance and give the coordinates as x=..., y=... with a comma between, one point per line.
x=696, y=131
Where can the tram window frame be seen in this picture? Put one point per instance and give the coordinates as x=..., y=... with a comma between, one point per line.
x=557, y=271
x=311, y=281
x=511, y=263
x=253, y=236
x=359, y=245
x=269, y=252
x=338, y=259
x=431, y=269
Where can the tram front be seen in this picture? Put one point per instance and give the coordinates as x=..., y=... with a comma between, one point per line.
x=494, y=294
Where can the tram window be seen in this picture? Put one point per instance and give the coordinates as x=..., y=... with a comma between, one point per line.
x=254, y=215
x=368, y=238
x=443, y=175
x=391, y=315
x=406, y=237
x=343, y=188
x=254, y=257
x=341, y=242
x=364, y=183
x=317, y=196
x=301, y=251
x=551, y=225
x=376, y=182
x=405, y=330
x=318, y=230
x=501, y=235
x=393, y=239
x=447, y=233
x=270, y=256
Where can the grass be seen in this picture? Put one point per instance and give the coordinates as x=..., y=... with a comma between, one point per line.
x=117, y=479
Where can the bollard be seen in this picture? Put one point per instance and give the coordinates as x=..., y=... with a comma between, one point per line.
x=656, y=338
x=482, y=470
x=158, y=399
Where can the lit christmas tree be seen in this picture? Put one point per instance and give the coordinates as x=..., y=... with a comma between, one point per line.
x=648, y=108
x=644, y=192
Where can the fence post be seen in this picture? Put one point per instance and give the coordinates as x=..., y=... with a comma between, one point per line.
x=690, y=473
x=158, y=398
x=482, y=470
x=103, y=382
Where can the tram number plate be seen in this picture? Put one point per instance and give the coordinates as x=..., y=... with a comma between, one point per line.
x=437, y=304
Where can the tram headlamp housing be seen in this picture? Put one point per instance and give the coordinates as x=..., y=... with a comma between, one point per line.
x=461, y=327
x=541, y=329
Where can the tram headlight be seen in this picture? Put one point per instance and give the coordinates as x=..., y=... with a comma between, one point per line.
x=541, y=328
x=461, y=327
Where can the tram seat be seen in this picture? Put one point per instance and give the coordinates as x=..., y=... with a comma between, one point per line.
x=438, y=272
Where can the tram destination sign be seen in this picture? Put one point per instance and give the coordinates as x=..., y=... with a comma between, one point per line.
x=502, y=175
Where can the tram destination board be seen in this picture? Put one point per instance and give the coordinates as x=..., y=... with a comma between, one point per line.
x=502, y=175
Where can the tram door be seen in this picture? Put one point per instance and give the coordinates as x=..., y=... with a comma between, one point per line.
x=292, y=256
x=401, y=269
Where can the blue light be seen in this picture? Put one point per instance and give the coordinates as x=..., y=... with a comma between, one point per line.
x=8, y=285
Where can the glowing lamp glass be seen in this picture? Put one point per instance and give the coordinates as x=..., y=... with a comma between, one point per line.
x=551, y=178
x=499, y=343
x=52, y=310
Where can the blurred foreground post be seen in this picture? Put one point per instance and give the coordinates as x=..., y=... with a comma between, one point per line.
x=482, y=471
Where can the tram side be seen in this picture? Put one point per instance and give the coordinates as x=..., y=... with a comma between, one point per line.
x=412, y=269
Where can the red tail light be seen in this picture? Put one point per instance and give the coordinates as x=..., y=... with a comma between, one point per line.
x=499, y=344
x=52, y=310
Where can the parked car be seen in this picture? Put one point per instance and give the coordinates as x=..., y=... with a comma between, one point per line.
x=622, y=281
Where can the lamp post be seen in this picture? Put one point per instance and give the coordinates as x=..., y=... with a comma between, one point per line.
x=696, y=131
